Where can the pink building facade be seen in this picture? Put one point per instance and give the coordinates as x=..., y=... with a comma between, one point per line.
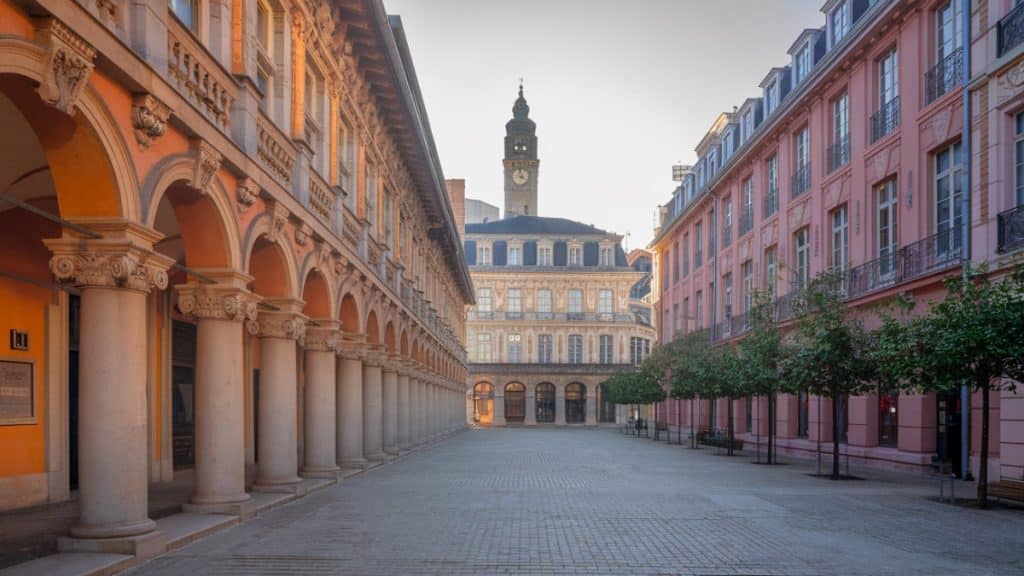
x=851, y=158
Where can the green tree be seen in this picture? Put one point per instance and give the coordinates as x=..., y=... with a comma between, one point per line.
x=830, y=354
x=683, y=382
x=760, y=355
x=974, y=336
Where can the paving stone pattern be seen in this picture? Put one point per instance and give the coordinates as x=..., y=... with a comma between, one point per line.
x=590, y=502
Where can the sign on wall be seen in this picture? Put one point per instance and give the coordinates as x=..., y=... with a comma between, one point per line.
x=17, y=393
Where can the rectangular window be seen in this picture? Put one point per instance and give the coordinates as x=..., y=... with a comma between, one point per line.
x=483, y=347
x=544, y=256
x=802, y=161
x=575, y=302
x=575, y=256
x=948, y=194
x=515, y=348
x=840, y=239
x=1018, y=157
x=544, y=301
x=605, y=302
x=839, y=150
x=686, y=254
x=887, y=118
x=675, y=265
x=747, y=271
x=483, y=300
x=686, y=318
x=544, y=349
x=727, y=301
x=188, y=12
x=698, y=246
x=639, y=349
x=747, y=220
x=727, y=222
x=514, y=306
x=607, y=257
x=483, y=255
x=802, y=242
x=675, y=320
x=948, y=19
x=515, y=255
x=771, y=197
x=803, y=63
x=771, y=269
x=886, y=234
x=699, y=309
x=575, y=349
x=606, y=349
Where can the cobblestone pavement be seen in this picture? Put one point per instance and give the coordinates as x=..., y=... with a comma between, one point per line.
x=589, y=502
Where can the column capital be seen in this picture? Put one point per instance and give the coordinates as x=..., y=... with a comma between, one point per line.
x=352, y=350
x=392, y=362
x=324, y=337
x=375, y=356
x=218, y=302
x=122, y=258
x=283, y=321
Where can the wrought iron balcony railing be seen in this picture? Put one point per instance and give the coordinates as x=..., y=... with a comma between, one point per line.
x=1011, y=29
x=747, y=220
x=944, y=76
x=839, y=153
x=771, y=201
x=801, y=179
x=726, y=235
x=886, y=119
x=932, y=254
x=1011, y=230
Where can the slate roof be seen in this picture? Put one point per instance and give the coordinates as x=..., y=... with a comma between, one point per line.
x=534, y=225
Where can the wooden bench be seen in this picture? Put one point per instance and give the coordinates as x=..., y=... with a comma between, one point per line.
x=1012, y=490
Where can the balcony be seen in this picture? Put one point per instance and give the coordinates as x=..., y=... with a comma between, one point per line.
x=839, y=153
x=886, y=119
x=1011, y=230
x=1011, y=30
x=944, y=76
x=771, y=201
x=198, y=76
x=801, y=180
x=924, y=257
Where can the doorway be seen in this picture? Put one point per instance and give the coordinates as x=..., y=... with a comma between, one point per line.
x=515, y=403
x=183, y=371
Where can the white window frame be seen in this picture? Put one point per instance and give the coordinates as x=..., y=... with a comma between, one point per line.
x=575, y=256
x=840, y=220
x=514, y=348
x=838, y=23
x=545, y=256
x=887, y=226
x=605, y=301
x=483, y=347
x=574, y=348
x=606, y=349
x=574, y=301
x=545, y=348
x=802, y=247
x=947, y=213
x=544, y=301
x=514, y=301
x=515, y=255
x=483, y=299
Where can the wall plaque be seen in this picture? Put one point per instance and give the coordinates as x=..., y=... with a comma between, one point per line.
x=17, y=393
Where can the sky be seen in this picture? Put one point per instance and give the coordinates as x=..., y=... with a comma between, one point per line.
x=620, y=90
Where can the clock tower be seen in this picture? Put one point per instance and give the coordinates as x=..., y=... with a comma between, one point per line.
x=520, y=161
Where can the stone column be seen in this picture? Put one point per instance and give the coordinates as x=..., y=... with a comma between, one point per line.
x=349, y=404
x=373, y=410
x=434, y=410
x=560, y=405
x=115, y=274
x=403, y=409
x=420, y=408
x=320, y=451
x=220, y=311
x=591, y=408
x=499, y=407
x=531, y=406
x=389, y=397
x=278, y=463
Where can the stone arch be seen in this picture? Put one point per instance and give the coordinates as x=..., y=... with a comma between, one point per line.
x=373, y=331
x=515, y=402
x=87, y=158
x=544, y=398
x=349, y=314
x=389, y=337
x=199, y=227
x=272, y=269
x=575, y=403
x=317, y=293
x=403, y=344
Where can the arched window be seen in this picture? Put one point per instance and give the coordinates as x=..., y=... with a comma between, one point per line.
x=575, y=403
x=545, y=402
x=515, y=402
x=483, y=402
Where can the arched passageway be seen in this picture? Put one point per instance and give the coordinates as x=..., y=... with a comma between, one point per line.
x=515, y=402
x=575, y=403
x=545, y=403
x=483, y=403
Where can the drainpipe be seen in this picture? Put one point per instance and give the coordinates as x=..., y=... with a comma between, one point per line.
x=965, y=207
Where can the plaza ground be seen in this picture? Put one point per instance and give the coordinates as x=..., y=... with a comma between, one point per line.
x=586, y=501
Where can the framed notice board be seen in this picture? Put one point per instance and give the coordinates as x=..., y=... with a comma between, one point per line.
x=17, y=392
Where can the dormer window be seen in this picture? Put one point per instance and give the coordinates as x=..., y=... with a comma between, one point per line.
x=802, y=63
x=838, y=23
x=771, y=97
x=575, y=256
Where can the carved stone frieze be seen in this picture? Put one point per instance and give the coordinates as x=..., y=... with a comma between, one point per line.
x=107, y=263
x=207, y=162
x=247, y=192
x=218, y=302
x=149, y=119
x=69, y=62
x=352, y=351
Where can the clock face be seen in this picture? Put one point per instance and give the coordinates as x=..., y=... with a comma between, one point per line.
x=520, y=176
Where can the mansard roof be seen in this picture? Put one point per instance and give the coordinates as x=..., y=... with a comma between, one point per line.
x=536, y=225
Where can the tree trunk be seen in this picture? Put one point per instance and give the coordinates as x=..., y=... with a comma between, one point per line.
x=835, y=436
x=729, y=451
x=693, y=429
x=983, y=464
x=771, y=427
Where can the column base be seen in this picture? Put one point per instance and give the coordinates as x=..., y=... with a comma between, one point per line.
x=405, y=447
x=285, y=487
x=391, y=451
x=142, y=546
x=87, y=532
x=376, y=458
x=244, y=509
x=321, y=472
x=354, y=463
